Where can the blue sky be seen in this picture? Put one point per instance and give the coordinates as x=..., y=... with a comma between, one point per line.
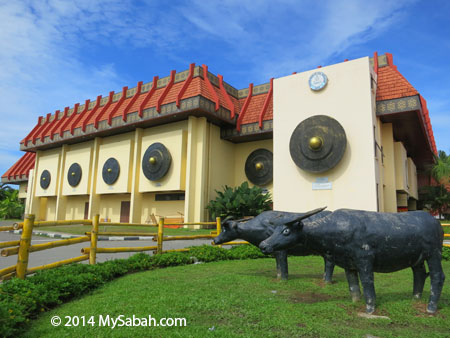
x=56, y=53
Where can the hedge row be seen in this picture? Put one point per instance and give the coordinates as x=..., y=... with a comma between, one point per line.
x=22, y=300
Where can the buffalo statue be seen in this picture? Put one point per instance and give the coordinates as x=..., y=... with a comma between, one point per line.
x=257, y=229
x=366, y=242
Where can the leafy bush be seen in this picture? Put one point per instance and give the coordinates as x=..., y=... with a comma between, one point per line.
x=10, y=205
x=446, y=253
x=22, y=300
x=171, y=259
x=245, y=252
x=239, y=202
x=207, y=253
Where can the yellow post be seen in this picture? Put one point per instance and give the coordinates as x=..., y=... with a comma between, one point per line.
x=160, y=235
x=219, y=228
x=25, y=241
x=94, y=239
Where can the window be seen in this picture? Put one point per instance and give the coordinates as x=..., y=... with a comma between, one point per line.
x=170, y=197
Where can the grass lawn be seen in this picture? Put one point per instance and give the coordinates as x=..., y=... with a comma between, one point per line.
x=242, y=299
x=80, y=230
x=446, y=228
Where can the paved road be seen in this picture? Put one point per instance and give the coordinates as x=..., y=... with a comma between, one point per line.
x=56, y=254
x=65, y=252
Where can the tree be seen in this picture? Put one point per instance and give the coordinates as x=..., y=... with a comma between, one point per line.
x=437, y=196
x=10, y=205
x=441, y=170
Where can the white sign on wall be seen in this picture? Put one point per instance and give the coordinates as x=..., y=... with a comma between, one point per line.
x=322, y=183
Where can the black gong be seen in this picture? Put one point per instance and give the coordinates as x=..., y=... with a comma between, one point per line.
x=156, y=161
x=45, y=179
x=259, y=167
x=318, y=144
x=111, y=171
x=74, y=174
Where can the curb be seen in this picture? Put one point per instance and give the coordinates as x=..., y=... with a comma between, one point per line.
x=100, y=238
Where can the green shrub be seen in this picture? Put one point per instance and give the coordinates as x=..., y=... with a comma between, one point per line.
x=245, y=252
x=207, y=253
x=22, y=300
x=171, y=259
x=446, y=253
x=239, y=202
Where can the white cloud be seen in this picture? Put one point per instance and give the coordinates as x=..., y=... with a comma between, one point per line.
x=41, y=70
x=42, y=44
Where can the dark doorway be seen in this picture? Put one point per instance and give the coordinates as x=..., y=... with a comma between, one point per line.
x=125, y=212
x=86, y=210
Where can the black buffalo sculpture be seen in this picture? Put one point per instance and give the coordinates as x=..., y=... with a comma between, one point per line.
x=257, y=229
x=366, y=242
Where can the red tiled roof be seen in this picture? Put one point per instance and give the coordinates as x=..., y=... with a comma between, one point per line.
x=197, y=86
x=392, y=84
x=20, y=168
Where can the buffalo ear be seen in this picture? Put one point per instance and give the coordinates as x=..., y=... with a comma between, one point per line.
x=227, y=218
x=308, y=214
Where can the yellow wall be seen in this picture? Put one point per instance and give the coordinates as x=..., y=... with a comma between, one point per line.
x=110, y=206
x=23, y=186
x=159, y=208
x=48, y=160
x=242, y=151
x=412, y=179
x=47, y=209
x=174, y=138
x=197, y=169
x=30, y=193
x=401, y=167
x=347, y=98
x=121, y=148
x=221, y=163
x=78, y=153
x=75, y=207
x=389, y=187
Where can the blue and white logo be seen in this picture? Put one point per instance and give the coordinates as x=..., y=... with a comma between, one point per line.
x=317, y=81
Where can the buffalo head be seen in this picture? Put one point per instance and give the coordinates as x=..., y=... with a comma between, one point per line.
x=286, y=236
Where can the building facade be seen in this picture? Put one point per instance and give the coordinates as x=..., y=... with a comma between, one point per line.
x=355, y=135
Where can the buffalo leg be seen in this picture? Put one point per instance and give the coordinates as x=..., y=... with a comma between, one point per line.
x=365, y=270
x=353, y=284
x=420, y=275
x=437, y=277
x=282, y=264
x=328, y=273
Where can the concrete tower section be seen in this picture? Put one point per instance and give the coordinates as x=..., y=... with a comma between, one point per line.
x=349, y=98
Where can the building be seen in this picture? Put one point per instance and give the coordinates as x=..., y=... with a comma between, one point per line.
x=354, y=134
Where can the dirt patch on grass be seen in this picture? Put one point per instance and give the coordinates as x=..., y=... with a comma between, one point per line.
x=322, y=283
x=308, y=297
x=421, y=311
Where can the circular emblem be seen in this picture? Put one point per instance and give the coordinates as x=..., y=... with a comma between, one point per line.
x=259, y=167
x=111, y=171
x=74, y=174
x=318, y=144
x=317, y=81
x=156, y=161
x=45, y=179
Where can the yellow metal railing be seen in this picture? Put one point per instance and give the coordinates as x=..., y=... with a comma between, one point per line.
x=23, y=247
